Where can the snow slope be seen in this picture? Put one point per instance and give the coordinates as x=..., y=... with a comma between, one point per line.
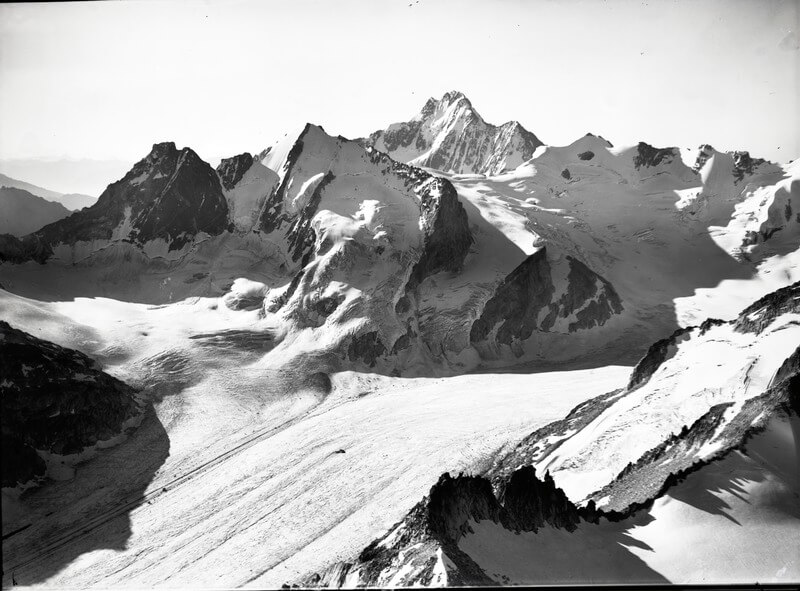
x=687, y=501
x=272, y=510
x=677, y=245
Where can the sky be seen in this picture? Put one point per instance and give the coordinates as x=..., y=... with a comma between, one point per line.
x=83, y=82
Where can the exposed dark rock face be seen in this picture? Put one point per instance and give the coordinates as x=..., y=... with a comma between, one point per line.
x=789, y=368
x=447, y=233
x=443, y=219
x=56, y=400
x=517, y=302
x=405, y=135
x=464, y=142
x=743, y=164
x=565, y=173
x=16, y=250
x=587, y=155
x=404, y=341
x=452, y=502
x=379, y=556
x=757, y=316
x=321, y=382
x=648, y=156
x=583, y=286
x=547, y=439
x=609, y=144
x=529, y=289
x=272, y=216
x=443, y=518
x=301, y=236
x=641, y=480
x=706, y=152
x=526, y=504
x=752, y=237
x=367, y=348
x=279, y=302
x=656, y=355
x=531, y=503
x=325, y=306
x=231, y=170
x=709, y=323
x=21, y=463
x=171, y=195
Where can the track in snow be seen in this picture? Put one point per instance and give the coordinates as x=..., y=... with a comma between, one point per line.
x=76, y=533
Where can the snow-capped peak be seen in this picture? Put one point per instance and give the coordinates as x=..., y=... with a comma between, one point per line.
x=448, y=134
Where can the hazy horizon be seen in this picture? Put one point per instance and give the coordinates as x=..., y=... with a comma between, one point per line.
x=106, y=80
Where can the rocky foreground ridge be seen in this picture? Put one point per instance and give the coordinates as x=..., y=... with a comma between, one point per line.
x=56, y=402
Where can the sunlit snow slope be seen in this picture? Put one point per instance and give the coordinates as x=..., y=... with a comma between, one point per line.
x=693, y=463
x=236, y=475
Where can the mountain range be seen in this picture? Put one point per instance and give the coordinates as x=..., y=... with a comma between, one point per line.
x=71, y=201
x=593, y=334
x=22, y=212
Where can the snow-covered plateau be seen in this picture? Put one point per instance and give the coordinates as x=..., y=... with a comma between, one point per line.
x=442, y=354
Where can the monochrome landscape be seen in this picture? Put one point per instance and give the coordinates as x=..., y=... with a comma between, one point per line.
x=443, y=352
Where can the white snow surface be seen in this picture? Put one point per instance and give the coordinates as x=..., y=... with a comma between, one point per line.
x=285, y=504
x=722, y=365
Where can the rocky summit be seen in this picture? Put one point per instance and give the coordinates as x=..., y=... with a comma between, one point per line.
x=449, y=135
x=163, y=203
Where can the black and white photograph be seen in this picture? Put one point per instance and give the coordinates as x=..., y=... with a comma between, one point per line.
x=302, y=294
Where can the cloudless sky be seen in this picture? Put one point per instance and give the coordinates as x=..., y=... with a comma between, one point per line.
x=105, y=80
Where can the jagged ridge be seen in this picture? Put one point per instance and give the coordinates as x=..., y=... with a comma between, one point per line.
x=449, y=135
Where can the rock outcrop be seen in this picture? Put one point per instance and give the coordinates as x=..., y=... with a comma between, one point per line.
x=528, y=300
x=656, y=355
x=55, y=400
x=231, y=170
x=763, y=312
x=648, y=156
x=424, y=547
